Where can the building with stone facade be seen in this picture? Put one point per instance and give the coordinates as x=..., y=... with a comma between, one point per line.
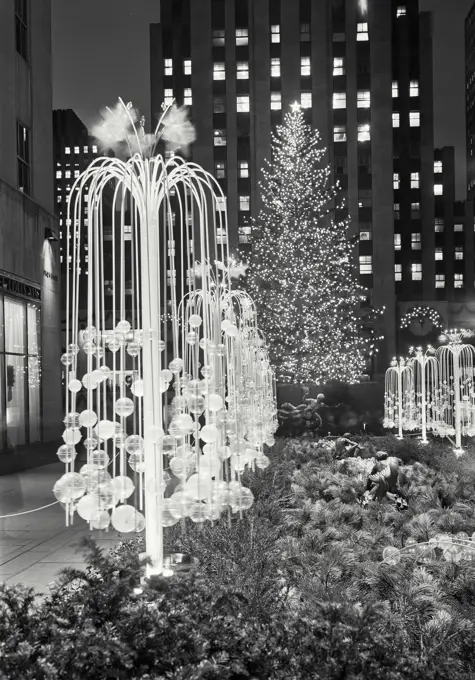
x=30, y=348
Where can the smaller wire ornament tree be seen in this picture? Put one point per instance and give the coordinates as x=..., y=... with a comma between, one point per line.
x=425, y=383
x=456, y=388
x=399, y=402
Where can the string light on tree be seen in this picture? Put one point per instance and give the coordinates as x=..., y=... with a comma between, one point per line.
x=302, y=275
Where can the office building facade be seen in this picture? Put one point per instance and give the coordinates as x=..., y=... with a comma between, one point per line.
x=30, y=384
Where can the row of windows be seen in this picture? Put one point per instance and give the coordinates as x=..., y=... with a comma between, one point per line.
x=67, y=174
x=366, y=267
x=77, y=149
x=242, y=35
x=242, y=69
x=169, y=67
x=415, y=183
x=220, y=169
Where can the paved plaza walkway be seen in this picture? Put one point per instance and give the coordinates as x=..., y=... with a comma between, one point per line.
x=34, y=547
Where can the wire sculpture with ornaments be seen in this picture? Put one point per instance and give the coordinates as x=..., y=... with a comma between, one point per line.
x=174, y=374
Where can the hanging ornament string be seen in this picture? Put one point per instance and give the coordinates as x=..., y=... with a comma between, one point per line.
x=27, y=512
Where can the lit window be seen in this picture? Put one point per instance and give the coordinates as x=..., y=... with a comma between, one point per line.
x=395, y=89
x=86, y=149
x=76, y=173
x=242, y=70
x=362, y=32
x=414, y=88
x=365, y=236
x=416, y=271
x=59, y=174
x=244, y=234
x=458, y=252
x=440, y=280
x=397, y=241
x=219, y=71
x=275, y=33
x=416, y=240
x=414, y=118
x=168, y=67
x=338, y=66
x=397, y=211
x=401, y=11
x=275, y=101
x=438, y=189
x=58, y=198
x=94, y=148
x=304, y=66
x=437, y=166
x=364, y=132
x=168, y=96
x=275, y=67
x=242, y=103
x=219, y=103
x=242, y=37
x=415, y=209
x=219, y=138
x=395, y=180
x=306, y=100
x=220, y=170
x=439, y=254
x=366, y=264
x=415, y=182
x=187, y=97
x=243, y=168
x=439, y=225
x=339, y=133
x=339, y=100
x=76, y=149
x=244, y=202
x=396, y=119
x=363, y=99
x=67, y=174
x=398, y=272
x=218, y=37
x=187, y=67
x=458, y=280
x=67, y=149
x=458, y=227
x=304, y=32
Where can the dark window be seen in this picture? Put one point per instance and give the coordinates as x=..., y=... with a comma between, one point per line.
x=219, y=103
x=21, y=24
x=23, y=157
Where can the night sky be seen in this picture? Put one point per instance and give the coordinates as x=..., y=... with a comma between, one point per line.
x=101, y=52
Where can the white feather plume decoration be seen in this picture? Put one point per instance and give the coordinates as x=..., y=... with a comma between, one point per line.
x=116, y=126
x=177, y=130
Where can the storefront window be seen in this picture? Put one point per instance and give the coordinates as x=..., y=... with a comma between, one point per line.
x=20, y=372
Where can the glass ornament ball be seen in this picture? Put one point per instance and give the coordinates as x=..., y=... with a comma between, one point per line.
x=133, y=349
x=73, y=348
x=166, y=374
x=462, y=536
x=164, y=385
x=98, y=376
x=208, y=465
x=220, y=350
x=140, y=523
x=99, y=458
x=134, y=444
x=124, y=407
x=87, y=418
x=123, y=326
x=125, y=519
x=262, y=462
x=72, y=436
x=270, y=441
x=452, y=553
x=89, y=348
x=105, y=429
x=180, y=505
x=113, y=345
x=220, y=491
x=192, y=338
x=178, y=466
x=99, y=353
x=100, y=520
x=106, y=371
x=137, y=462
x=238, y=463
x=195, y=321
x=89, y=382
x=225, y=323
x=391, y=555
x=176, y=365
x=232, y=331
x=119, y=440
x=69, y=487
x=209, y=433
x=215, y=402
x=168, y=520
x=66, y=453
x=168, y=445
x=176, y=431
x=87, y=506
x=154, y=434
x=184, y=421
x=89, y=334
x=71, y=420
x=123, y=487
x=137, y=388
x=206, y=371
x=198, y=486
x=94, y=478
x=67, y=358
x=88, y=469
x=161, y=345
x=199, y=513
x=179, y=404
x=74, y=385
x=91, y=443
x=104, y=492
x=224, y=452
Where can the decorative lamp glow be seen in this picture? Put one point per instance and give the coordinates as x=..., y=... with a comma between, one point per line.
x=174, y=370
x=399, y=397
x=425, y=383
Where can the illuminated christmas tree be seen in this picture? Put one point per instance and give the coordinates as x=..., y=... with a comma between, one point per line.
x=302, y=271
